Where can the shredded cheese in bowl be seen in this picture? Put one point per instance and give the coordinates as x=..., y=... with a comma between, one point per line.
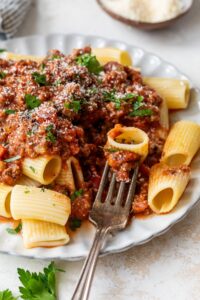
x=150, y=11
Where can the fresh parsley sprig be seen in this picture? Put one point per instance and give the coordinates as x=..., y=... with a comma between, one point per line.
x=9, y=111
x=2, y=75
x=74, y=223
x=90, y=62
x=112, y=97
x=7, y=295
x=75, y=105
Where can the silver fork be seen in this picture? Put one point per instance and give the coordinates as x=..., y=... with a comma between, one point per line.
x=109, y=215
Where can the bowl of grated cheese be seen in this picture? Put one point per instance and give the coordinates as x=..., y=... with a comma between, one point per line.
x=146, y=14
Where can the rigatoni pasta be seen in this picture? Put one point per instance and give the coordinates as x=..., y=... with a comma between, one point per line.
x=39, y=204
x=166, y=185
x=176, y=92
x=24, y=180
x=71, y=175
x=105, y=55
x=43, y=169
x=5, y=192
x=182, y=143
x=43, y=234
x=129, y=138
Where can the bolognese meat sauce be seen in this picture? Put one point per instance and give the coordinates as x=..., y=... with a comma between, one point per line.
x=65, y=105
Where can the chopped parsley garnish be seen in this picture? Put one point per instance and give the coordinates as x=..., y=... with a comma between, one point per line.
x=15, y=230
x=55, y=56
x=141, y=113
x=3, y=50
x=90, y=62
x=42, y=189
x=29, y=132
x=32, y=101
x=2, y=75
x=40, y=78
x=76, y=194
x=7, y=295
x=137, y=112
x=111, y=150
x=32, y=169
x=74, y=223
x=42, y=67
x=38, y=286
x=26, y=192
x=11, y=159
x=111, y=97
x=9, y=111
x=50, y=137
x=75, y=105
x=57, y=82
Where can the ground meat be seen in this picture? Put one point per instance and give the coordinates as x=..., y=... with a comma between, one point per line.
x=59, y=106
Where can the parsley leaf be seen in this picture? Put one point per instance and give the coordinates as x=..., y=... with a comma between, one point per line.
x=38, y=286
x=32, y=169
x=3, y=50
x=50, y=137
x=74, y=223
x=141, y=113
x=9, y=111
x=40, y=78
x=32, y=101
x=111, y=150
x=15, y=230
x=2, y=75
x=111, y=97
x=75, y=105
x=55, y=56
x=76, y=194
x=137, y=112
x=11, y=159
x=7, y=295
x=90, y=62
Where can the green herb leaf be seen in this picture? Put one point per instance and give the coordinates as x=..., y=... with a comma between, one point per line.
x=7, y=295
x=32, y=169
x=42, y=66
x=50, y=137
x=11, y=159
x=3, y=50
x=138, y=103
x=55, y=56
x=111, y=150
x=2, y=75
x=29, y=132
x=74, y=223
x=40, y=78
x=76, y=194
x=32, y=101
x=15, y=230
x=90, y=62
x=38, y=286
x=141, y=113
x=75, y=105
x=9, y=111
x=129, y=96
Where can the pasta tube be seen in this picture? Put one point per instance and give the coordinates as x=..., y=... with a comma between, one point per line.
x=24, y=180
x=43, y=169
x=5, y=192
x=16, y=57
x=129, y=138
x=71, y=175
x=43, y=234
x=182, y=143
x=166, y=185
x=105, y=55
x=39, y=204
x=176, y=92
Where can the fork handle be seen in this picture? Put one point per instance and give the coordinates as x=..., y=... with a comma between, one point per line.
x=84, y=284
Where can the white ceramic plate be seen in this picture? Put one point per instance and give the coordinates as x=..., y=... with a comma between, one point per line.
x=140, y=230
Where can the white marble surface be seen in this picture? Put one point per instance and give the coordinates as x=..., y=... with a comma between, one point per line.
x=169, y=266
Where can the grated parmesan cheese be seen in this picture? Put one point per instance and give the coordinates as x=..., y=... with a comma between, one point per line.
x=151, y=11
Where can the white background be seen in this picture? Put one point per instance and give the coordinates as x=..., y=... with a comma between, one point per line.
x=169, y=266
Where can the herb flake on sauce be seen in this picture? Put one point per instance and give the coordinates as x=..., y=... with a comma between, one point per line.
x=32, y=101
